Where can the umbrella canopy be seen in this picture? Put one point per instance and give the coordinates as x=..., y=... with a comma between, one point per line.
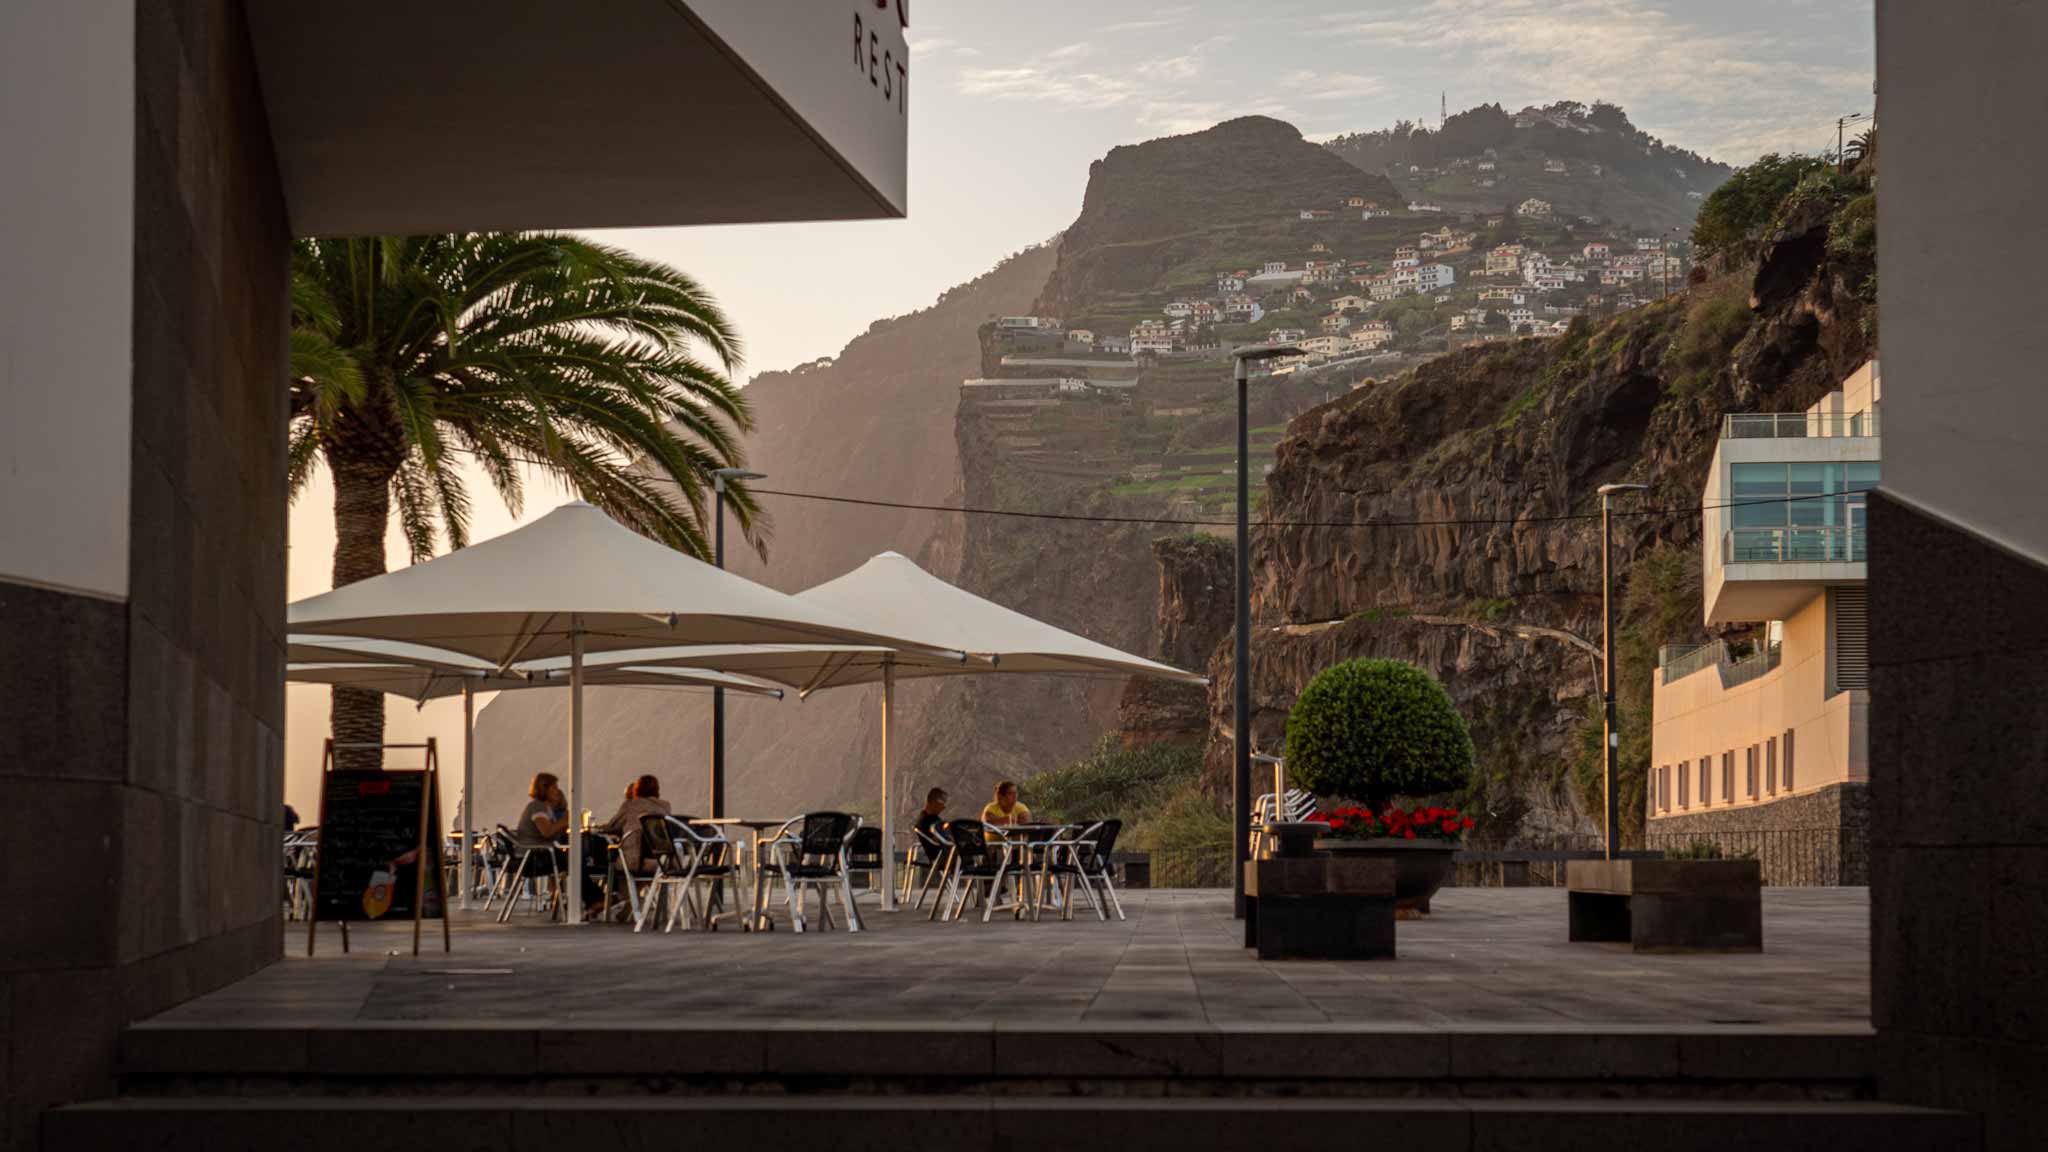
x=572, y=573
x=420, y=684
x=891, y=593
x=894, y=594
x=356, y=650
x=571, y=582
x=803, y=667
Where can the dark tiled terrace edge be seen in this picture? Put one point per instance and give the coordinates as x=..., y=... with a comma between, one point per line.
x=1487, y=961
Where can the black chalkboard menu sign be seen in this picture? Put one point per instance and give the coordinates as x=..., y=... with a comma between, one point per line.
x=377, y=829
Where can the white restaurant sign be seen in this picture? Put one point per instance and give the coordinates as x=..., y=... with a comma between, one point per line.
x=843, y=67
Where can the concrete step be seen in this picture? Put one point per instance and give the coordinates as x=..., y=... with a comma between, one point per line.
x=518, y=1123
x=370, y=1058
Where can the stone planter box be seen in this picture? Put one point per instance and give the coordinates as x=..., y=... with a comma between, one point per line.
x=1668, y=905
x=1420, y=866
x=1319, y=908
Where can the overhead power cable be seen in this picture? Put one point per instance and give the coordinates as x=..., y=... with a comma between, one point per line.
x=1466, y=522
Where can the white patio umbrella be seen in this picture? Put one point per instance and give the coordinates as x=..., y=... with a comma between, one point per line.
x=433, y=681
x=893, y=594
x=572, y=582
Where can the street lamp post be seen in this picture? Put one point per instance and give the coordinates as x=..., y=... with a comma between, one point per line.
x=1610, y=736
x=1241, y=655
x=719, y=477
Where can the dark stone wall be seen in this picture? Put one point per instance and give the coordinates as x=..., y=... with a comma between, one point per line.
x=145, y=767
x=1959, y=828
x=1819, y=837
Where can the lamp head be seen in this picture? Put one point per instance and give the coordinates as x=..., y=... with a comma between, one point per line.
x=720, y=475
x=1611, y=489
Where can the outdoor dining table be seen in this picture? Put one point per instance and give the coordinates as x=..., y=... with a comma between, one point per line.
x=750, y=864
x=1023, y=856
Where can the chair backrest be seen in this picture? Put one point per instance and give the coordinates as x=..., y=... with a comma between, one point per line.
x=932, y=847
x=969, y=839
x=824, y=834
x=864, y=851
x=1103, y=840
x=656, y=841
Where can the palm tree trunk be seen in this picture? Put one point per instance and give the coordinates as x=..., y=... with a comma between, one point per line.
x=362, y=513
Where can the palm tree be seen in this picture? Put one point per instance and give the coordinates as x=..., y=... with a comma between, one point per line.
x=414, y=356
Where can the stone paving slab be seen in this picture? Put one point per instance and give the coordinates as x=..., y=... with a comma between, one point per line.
x=1486, y=958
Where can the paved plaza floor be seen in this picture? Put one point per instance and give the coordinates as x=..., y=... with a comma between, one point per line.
x=1485, y=957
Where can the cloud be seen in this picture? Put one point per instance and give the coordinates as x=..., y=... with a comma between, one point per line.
x=1725, y=93
x=1060, y=86
x=1158, y=18
x=1333, y=85
x=928, y=47
x=1163, y=80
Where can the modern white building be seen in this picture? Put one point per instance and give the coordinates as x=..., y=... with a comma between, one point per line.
x=1777, y=738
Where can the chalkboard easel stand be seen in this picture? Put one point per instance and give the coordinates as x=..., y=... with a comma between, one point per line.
x=427, y=858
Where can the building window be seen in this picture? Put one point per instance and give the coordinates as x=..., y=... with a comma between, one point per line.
x=1749, y=771
x=1727, y=777
x=1706, y=769
x=1798, y=512
x=1788, y=759
x=1684, y=792
x=1771, y=766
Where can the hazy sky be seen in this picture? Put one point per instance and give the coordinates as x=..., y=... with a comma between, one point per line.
x=1011, y=102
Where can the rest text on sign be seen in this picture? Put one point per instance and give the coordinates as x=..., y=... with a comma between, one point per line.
x=885, y=73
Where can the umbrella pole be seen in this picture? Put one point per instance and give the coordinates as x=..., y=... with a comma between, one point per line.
x=575, y=770
x=466, y=876
x=888, y=814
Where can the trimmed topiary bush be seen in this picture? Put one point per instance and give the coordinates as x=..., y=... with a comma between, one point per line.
x=1370, y=730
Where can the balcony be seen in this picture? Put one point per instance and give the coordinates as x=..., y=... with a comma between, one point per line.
x=1812, y=544
x=1677, y=661
x=1797, y=426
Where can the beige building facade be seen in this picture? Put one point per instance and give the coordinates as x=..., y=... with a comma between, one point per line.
x=1772, y=737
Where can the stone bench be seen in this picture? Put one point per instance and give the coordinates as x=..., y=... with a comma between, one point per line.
x=1319, y=908
x=1668, y=905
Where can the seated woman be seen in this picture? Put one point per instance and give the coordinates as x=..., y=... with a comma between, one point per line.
x=643, y=798
x=546, y=816
x=1005, y=810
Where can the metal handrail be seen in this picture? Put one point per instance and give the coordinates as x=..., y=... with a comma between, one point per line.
x=1751, y=667
x=1797, y=425
x=1798, y=544
x=1677, y=661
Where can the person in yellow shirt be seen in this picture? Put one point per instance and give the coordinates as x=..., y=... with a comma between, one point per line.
x=1005, y=811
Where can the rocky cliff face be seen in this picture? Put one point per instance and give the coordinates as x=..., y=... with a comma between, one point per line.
x=1482, y=468
x=1148, y=205
x=1195, y=584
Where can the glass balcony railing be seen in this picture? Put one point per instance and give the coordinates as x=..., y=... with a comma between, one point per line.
x=1818, y=544
x=1677, y=661
x=1751, y=666
x=1795, y=425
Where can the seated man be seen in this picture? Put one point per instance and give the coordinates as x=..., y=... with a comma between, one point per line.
x=931, y=825
x=1005, y=811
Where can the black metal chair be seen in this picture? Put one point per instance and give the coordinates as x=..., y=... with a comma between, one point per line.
x=536, y=861
x=864, y=854
x=811, y=851
x=1059, y=865
x=686, y=855
x=971, y=862
x=1092, y=854
x=926, y=856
